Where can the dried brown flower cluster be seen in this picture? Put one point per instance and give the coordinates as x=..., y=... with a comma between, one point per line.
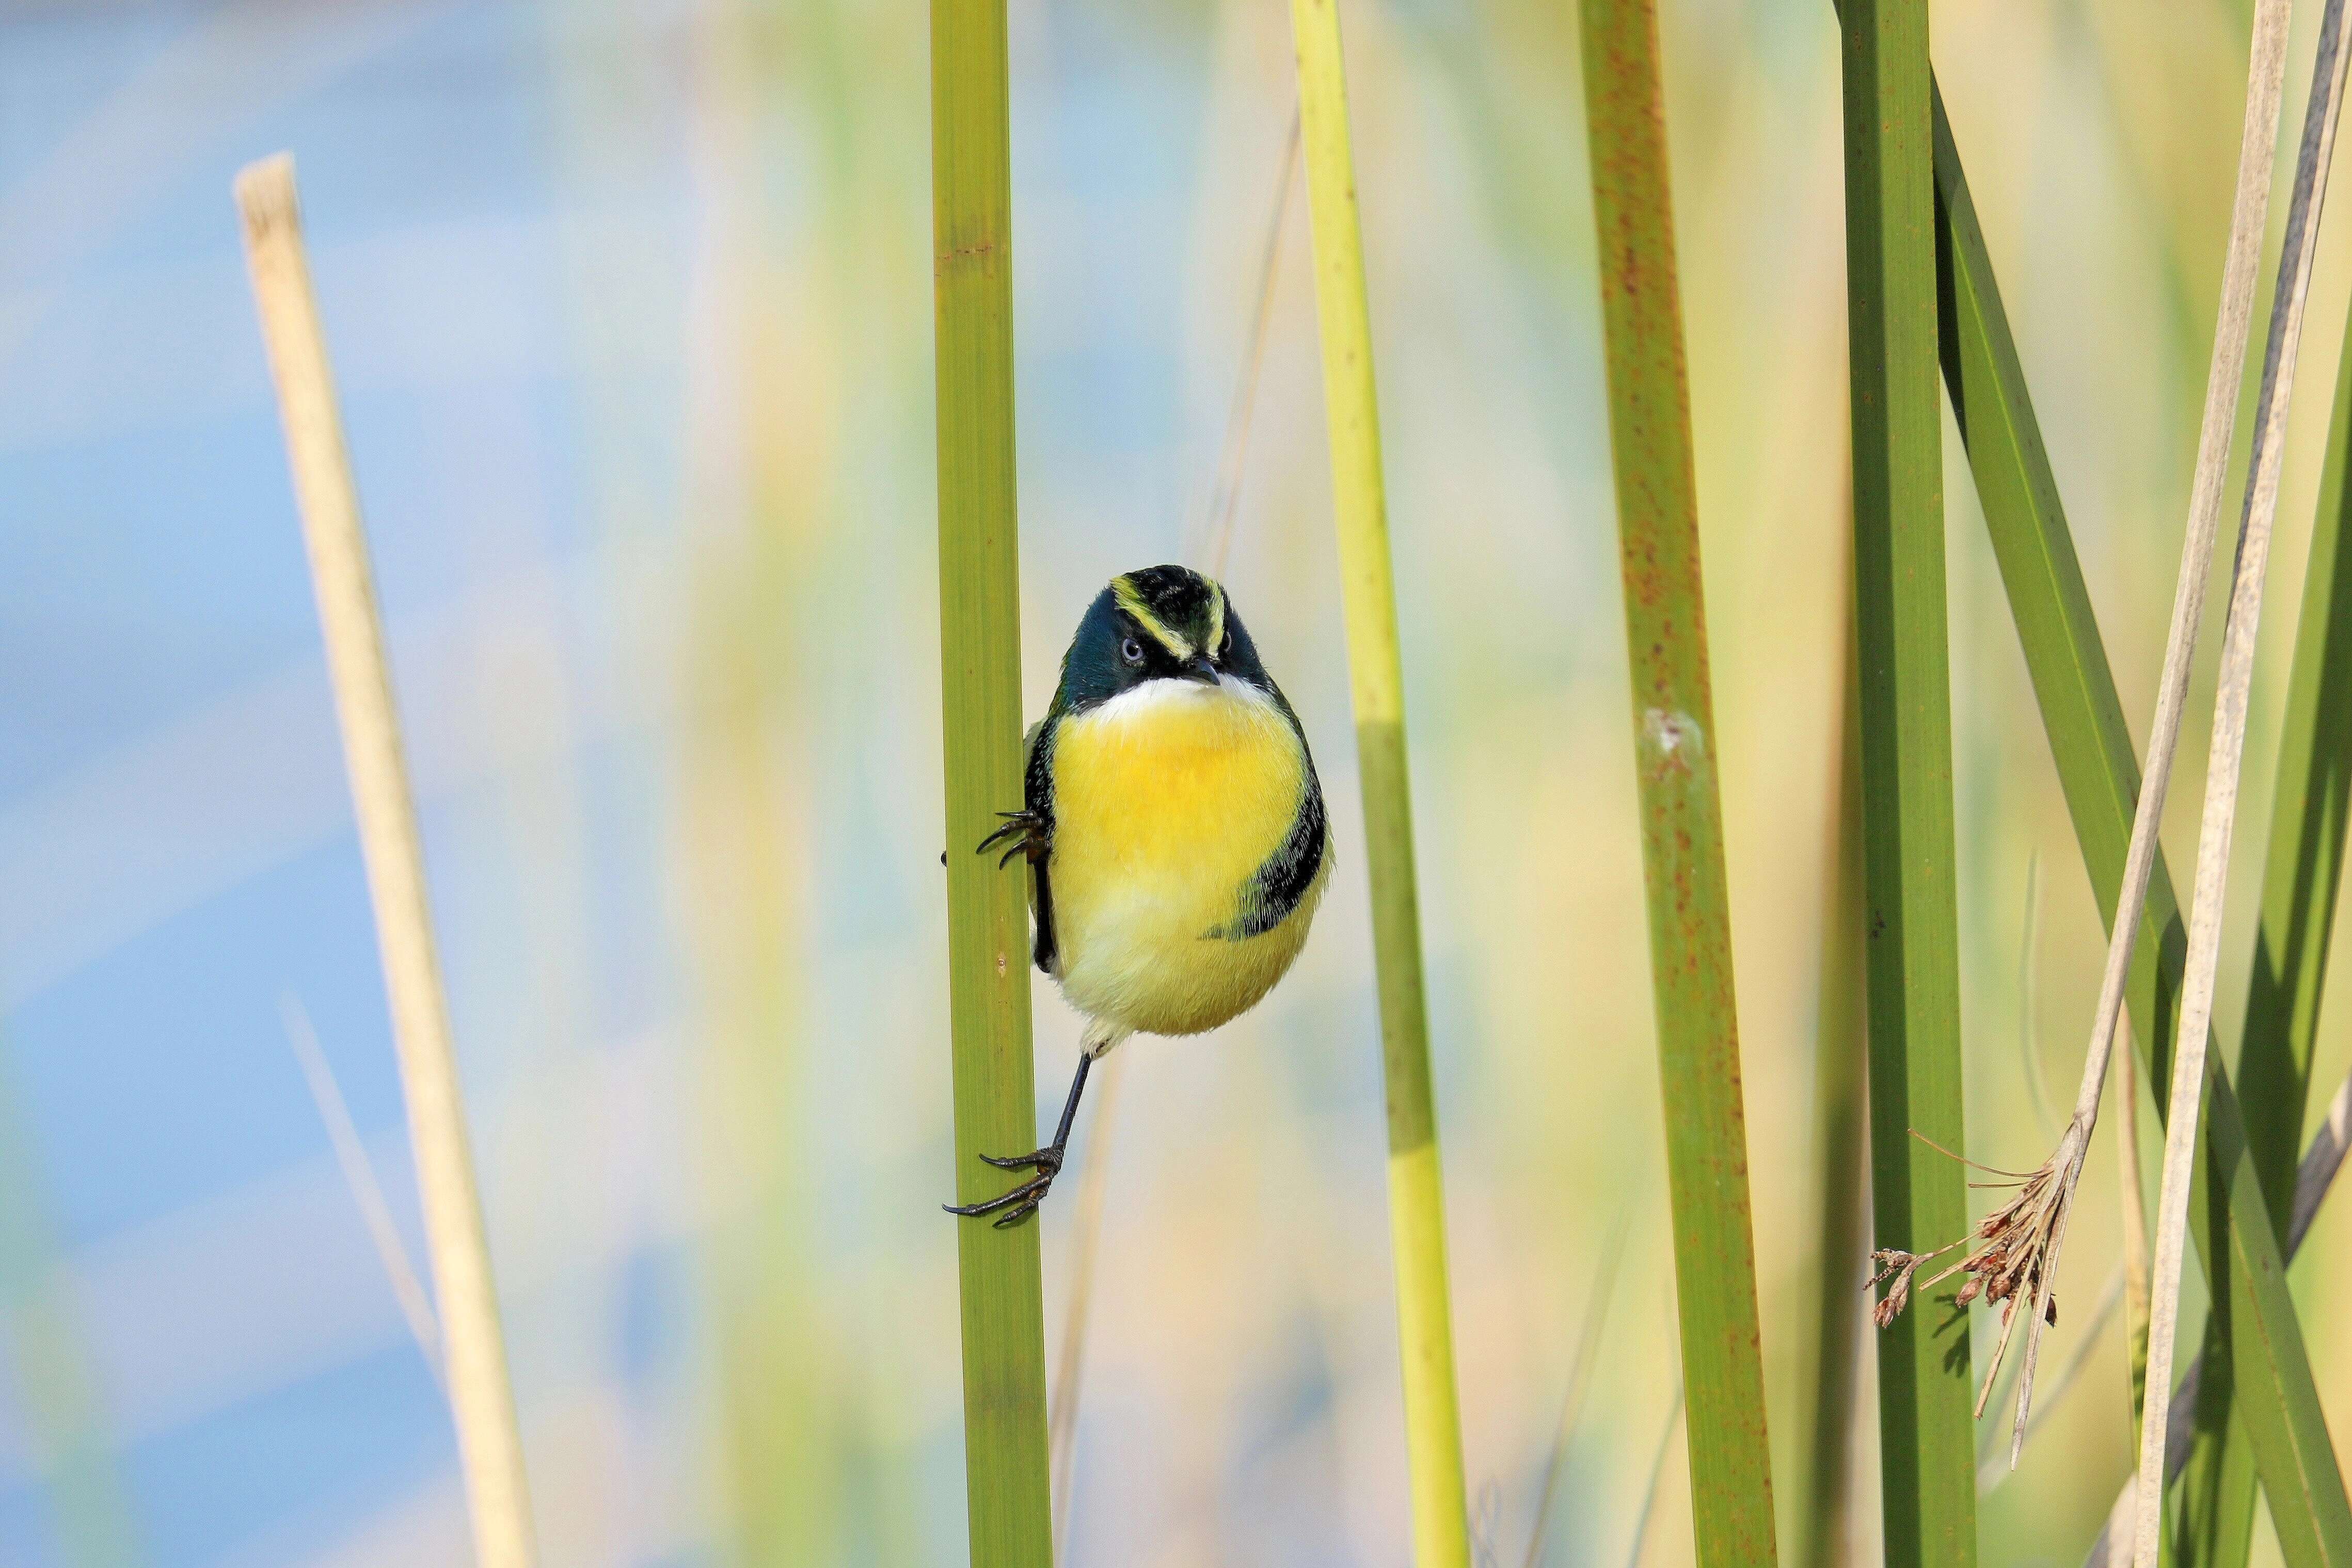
x=2015, y=1245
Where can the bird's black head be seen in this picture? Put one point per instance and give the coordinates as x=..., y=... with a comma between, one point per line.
x=1162, y=623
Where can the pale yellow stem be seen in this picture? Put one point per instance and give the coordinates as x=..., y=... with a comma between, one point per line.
x=488, y=1442
x=1367, y=586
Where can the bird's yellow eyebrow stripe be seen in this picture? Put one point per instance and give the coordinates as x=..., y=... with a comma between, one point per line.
x=1123, y=590
x=1217, y=618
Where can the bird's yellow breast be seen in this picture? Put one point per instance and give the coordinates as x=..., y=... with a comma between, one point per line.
x=1166, y=802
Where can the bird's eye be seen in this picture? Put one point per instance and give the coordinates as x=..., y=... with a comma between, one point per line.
x=1131, y=651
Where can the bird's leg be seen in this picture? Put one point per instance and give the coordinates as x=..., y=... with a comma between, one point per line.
x=1022, y=1201
x=1030, y=834
x=1024, y=832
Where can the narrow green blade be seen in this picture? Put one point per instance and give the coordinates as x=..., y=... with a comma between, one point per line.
x=1688, y=890
x=2099, y=775
x=979, y=656
x=1926, y=1439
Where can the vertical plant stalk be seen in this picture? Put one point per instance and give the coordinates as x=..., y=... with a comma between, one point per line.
x=1005, y=1454
x=2098, y=772
x=473, y=1347
x=2303, y=872
x=1376, y=669
x=2320, y=1165
x=2227, y=754
x=2045, y=1211
x=2313, y=1176
x=2017, y=1248
x=1840, y=1113
x=1925, y=1437
x=1688, y=888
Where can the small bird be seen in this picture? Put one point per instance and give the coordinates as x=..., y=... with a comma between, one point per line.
x=1174, y=829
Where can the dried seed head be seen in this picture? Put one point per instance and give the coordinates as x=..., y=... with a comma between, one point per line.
x=2010, y=1259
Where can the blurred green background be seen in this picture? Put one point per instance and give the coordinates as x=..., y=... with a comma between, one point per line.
x=630, y=309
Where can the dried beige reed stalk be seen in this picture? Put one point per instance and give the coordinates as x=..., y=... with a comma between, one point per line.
x=2322, y=1162
x=2320, y=1165
x=2227, y=754
x=481, y=1399
x=2019, y=1244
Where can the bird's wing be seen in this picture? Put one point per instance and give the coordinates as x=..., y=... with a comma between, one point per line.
x=1277, y=888
x=1275, y=893
x=1038, y=799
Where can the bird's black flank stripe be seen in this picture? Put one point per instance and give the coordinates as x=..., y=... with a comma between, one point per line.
x=1037, y=789
x=1287, y=874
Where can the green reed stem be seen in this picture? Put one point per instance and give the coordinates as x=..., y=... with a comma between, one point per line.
x=1689, y=895
x=1927, y=1439
x=2098, y=772
x=1005, y=1471
x=2301, y=873
x=1417, y=1199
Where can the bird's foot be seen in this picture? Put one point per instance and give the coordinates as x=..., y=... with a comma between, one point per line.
x=1021, y=1202
x=1024, y=832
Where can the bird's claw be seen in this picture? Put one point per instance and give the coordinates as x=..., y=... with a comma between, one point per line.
x=1021, y=1202
x=1047, y=1159
x=1024, y=831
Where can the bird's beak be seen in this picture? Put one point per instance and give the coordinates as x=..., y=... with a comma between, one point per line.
x=1199, y=669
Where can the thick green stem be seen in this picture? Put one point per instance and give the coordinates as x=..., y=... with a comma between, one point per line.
x=980, y=655
x=1926, y=1440
x=1688, y=890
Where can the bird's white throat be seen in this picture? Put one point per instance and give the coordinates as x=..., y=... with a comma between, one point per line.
x=1154, y=697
